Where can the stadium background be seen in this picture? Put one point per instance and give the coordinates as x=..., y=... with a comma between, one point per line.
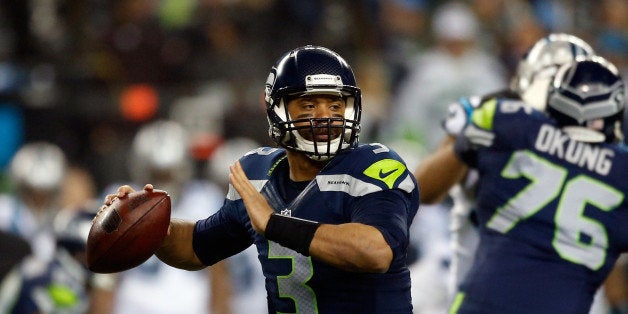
x=87, y=74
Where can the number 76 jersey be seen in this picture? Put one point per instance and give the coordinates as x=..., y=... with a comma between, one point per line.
x=553, y=214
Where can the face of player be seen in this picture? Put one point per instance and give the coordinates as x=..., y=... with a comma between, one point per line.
x=324, y=112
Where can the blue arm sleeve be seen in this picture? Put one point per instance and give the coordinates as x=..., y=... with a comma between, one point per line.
x=389, y=212
x=220, y=236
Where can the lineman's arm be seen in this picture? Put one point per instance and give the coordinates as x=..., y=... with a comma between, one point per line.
x=442, y=169
x=439, y=171
x=220, y=289
x=616, y=287
x=350, y=246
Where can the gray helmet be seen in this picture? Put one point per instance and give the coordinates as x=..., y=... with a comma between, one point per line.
x=71, y=226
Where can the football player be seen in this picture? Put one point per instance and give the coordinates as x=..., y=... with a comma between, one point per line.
x=61, y=284
x=550, y=196
x=37, y=172
x=329, y=217
x=534, y=74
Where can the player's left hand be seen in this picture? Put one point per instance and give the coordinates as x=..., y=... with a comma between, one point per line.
x=256, y=205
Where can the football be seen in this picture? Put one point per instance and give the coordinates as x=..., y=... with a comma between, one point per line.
x=127, y=232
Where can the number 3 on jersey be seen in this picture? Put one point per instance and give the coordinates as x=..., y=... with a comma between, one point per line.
x=293, y=285
x=547, y=180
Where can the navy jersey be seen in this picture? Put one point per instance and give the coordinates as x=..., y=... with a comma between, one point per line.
x=369, y=184
x=55, y=286
x=552, y=214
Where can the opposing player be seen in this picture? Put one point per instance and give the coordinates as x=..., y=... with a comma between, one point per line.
x=551, y=195
x=534, y=74
x=161, y=154
x=249, y=288
x=329, y=217
x=37, y=171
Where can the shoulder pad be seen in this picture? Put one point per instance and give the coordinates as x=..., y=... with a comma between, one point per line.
x=259, y=163
x=483, y=115
x=374, y=164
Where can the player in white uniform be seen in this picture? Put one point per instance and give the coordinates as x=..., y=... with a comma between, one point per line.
x=37, y=172
x=249, y=289
x=160, y=155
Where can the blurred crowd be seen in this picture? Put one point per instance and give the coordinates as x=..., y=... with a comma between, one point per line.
x=85, y=76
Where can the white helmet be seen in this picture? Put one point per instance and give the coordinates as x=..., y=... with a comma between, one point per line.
x=160, y=154
x=38, y=166
x=538, y=67
x=225, y=155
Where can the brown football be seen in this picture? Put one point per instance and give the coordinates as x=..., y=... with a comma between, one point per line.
x=127, y=232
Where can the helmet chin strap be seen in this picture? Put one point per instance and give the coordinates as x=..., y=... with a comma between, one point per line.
x=311, y=147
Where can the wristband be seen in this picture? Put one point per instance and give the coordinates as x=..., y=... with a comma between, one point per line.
x=466, y=151
x=293, y=233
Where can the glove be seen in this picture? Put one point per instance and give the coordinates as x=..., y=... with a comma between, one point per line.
x=459, y=115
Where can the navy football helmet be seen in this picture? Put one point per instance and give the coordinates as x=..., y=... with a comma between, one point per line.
x=312, y=70
x=587, y=99
x=539, y=65
x=71, y=226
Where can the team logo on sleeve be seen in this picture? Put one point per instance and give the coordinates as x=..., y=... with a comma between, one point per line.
x=386, y=170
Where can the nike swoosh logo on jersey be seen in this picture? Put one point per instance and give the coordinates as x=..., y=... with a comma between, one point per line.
x=387, y=173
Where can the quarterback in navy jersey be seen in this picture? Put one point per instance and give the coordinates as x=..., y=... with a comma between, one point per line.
x=551, y=199
x=330, y=217
x=356, y=186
